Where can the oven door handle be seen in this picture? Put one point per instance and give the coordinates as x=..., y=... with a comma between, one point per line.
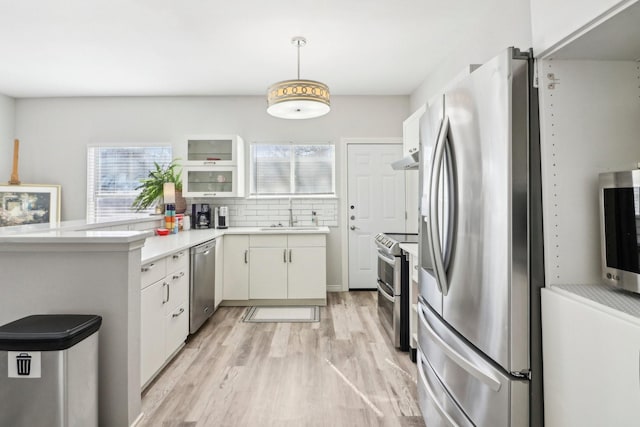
x=383, y=257
x=384, y=293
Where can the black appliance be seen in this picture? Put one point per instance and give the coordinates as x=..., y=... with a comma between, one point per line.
x=201, y=215
x=393, y=286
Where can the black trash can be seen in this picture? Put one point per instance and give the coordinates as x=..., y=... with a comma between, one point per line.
x=49, y=369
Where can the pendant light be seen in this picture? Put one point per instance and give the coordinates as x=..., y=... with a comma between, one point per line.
x=298, y=99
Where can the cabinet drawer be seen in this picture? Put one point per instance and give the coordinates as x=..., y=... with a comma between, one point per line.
x=306, y=240
x=178, y=261
x=152, y=272
x=270, y=241
x=178, y=288
x=177, y=328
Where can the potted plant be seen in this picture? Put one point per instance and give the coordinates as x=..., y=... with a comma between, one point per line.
x=153, y=186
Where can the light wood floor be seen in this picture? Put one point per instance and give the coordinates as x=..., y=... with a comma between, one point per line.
x=341, y=371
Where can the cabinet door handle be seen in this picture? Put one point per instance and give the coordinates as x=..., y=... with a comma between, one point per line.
x=246, y=256
x=168, y=292
x=165, y=300
x=178, y=255
x=290, y=255
x=147, y=267
x=285, y=255
x=178, y=313
x=177, y=276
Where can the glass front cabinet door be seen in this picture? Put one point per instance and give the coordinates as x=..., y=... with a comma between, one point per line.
x=204, y=150
x=203, y=181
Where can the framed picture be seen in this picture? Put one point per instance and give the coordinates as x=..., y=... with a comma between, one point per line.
x=29, y=204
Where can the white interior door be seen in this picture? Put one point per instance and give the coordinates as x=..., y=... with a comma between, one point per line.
x=376, y=203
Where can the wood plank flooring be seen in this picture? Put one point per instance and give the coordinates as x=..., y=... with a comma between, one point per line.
x=341, y=371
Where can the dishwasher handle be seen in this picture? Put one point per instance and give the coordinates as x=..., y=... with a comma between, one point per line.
x=204, y=248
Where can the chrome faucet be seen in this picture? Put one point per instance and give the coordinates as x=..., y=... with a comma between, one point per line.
x=291, y=221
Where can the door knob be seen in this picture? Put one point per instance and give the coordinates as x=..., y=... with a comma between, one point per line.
x=353, y=217
x=353, y=227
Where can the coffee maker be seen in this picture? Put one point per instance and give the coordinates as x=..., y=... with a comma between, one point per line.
x=221, y=217
x=200, y=215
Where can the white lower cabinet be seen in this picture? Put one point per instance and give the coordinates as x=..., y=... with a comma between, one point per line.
x=164, y=322
x=219, y=273
x=236, y=267
x=152, y=352
x=268, y=273
x=287, y=266
x=275, y=267
x=591, y=369
x=307, y=273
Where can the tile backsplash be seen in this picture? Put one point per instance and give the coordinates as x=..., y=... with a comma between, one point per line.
x=266, y=212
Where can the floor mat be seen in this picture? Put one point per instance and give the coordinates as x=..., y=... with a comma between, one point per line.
x=284, y=314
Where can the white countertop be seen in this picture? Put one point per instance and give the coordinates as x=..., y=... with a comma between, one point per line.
x=157, y=247
x=76, y=225
x=75, y=236
x=610, y=299
x=411, y=248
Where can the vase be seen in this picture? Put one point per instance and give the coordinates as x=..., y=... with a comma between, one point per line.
x=181, y=202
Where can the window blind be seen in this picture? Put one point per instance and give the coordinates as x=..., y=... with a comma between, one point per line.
x=113, y=174
x=292, y=169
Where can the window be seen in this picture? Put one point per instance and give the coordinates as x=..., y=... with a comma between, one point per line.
x=114, y=172
x=292, y=169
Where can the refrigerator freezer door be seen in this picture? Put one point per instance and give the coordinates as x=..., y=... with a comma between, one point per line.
x=436, y=404
x=485, y=393
x=488, y=288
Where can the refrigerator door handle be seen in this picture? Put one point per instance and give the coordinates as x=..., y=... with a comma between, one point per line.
x=487, y=378
x=432, y=395
x=434, y=225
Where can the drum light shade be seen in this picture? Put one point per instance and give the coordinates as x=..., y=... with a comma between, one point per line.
x=298, y=99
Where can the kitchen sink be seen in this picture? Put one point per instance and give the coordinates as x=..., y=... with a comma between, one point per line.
x=289, y=228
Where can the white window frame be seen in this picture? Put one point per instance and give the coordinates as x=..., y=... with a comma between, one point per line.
x=252, y=191
x=92, y=182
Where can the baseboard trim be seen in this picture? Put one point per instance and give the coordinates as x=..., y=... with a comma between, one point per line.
x=267, y=302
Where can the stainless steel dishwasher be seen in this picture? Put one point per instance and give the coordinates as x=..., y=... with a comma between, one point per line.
x=202, y=284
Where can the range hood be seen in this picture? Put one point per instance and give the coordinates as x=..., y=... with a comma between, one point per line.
x=412, y=161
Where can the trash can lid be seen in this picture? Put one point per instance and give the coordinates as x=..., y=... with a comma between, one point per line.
x=48, y=332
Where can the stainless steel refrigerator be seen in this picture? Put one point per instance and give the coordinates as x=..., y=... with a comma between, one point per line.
x=481, y=252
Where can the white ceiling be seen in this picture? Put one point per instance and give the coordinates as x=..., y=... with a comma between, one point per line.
x=226, y=47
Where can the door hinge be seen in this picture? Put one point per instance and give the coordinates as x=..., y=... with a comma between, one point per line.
x=553, y=81
x=406, y=215
x=524, y=375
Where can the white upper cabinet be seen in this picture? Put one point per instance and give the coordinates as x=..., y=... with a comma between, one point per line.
x=411, y=132
x=216, y=181
x=589, y=110
x=213, y=166
x=213, y=150
x=555, y=23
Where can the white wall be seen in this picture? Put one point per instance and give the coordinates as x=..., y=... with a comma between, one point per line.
x=54, y=133
x=549, y=30
x=508, y=24
x=7, y=134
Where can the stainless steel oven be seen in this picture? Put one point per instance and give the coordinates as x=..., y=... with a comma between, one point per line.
x=393, y=286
